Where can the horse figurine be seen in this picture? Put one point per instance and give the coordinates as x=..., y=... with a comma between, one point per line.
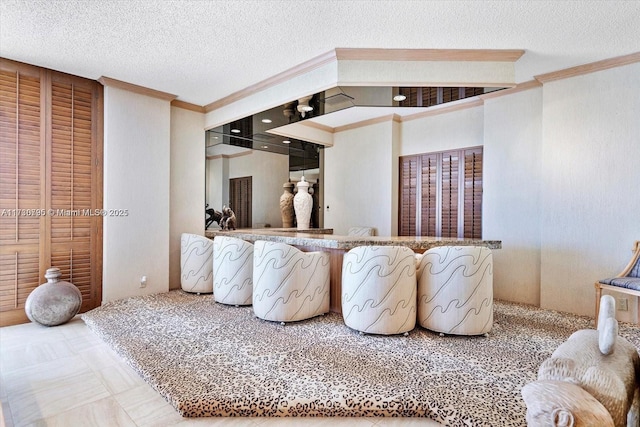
x=228, y=221
x=211, y=216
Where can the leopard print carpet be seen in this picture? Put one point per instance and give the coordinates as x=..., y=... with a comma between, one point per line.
x=209, y=359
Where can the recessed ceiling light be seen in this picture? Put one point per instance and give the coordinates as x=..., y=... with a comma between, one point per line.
x=399, y=98
x=264, y=146
x=235, y=130
x=266, y=120
x=286, y=141
x=215, y=137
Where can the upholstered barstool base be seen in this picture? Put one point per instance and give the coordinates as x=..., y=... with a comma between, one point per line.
x=196, y=267
x=233, y=267
x=288, y=284
x=455, y=290
x=379, y=289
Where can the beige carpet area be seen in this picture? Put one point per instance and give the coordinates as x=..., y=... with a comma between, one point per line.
x=209, y=359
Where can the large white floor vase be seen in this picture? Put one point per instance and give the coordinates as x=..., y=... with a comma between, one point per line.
x=455, y=290
x=379, y=289
x=288, y=284
x=196, y=263
x=233, y=266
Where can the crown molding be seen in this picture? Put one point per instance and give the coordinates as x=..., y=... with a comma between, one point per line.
x=315, y=125
x=520, y=87
x=188, y=106
x=592, y=67
x=496, y=55
x=108, y=81
x=298, y=70
x=358, y=54
x=368, y=122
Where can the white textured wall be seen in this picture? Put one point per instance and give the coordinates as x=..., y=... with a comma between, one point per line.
x=217, y=171
x=359, y=174
x=561, y=182
x=136, y=177
x=187, y=183
x=269, y=172
x=511, y=192
x=449, y=131
x=590, y=184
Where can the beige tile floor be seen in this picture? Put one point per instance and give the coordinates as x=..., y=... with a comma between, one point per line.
x=66, y=376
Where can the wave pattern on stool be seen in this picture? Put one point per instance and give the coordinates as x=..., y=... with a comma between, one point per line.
x=196, y=268
x=233, y=266
x=379, y=289
x=455, y=290
x=288, y=284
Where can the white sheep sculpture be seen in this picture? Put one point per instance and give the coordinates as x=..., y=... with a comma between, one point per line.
x=592, y=379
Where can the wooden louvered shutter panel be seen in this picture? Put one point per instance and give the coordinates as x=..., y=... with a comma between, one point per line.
x=74, y=226
x=247, y=190
x=429, y=188
x=429, y=96
x=21, y=192
x=473, y=91
x=473, y=193
x=449, y=202
x=412, y=96
x=245, y=202
x=50, y=151
x=450, y=94
x=240, y=194
x=450, y=177
x=408, y=195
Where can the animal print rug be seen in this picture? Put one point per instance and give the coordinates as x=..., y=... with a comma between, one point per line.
x=208, y=359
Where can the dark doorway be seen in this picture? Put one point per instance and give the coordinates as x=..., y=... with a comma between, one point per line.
x=240, y=200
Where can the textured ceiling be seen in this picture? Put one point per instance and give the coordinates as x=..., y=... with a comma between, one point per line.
x=202, y=51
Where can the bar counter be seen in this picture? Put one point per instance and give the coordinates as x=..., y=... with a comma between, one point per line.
x=337, y=246
x=324, y=239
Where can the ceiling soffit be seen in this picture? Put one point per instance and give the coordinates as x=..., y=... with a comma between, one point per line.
x=342, y=79
x=302, y=127
x=369, y=67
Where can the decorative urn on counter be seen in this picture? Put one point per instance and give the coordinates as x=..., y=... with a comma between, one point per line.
x=303, y=203
x=286, y=205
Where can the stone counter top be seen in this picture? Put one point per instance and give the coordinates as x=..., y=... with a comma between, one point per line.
x=291, y=230
x=331, y=241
